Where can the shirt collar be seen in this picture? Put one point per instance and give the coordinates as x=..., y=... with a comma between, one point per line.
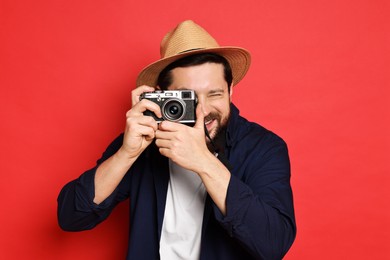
x=232, y=124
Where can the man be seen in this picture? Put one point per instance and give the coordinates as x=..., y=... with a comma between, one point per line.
x=218, y=189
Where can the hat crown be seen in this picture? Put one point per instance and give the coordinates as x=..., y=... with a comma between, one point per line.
x=185, y=37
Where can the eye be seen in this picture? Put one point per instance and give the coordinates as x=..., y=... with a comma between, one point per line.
x=216, y=94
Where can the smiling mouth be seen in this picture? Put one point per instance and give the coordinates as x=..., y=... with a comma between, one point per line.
x=209, y=124
x=208, y=121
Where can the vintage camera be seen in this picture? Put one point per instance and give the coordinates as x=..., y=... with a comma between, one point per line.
x=176, y=105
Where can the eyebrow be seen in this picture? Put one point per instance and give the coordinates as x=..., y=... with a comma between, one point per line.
x=213, y=91
x=183, y=88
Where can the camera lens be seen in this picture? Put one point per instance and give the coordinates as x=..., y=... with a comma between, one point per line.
x=173, y=109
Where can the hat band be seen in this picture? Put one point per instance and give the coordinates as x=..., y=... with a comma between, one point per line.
x=195, y=49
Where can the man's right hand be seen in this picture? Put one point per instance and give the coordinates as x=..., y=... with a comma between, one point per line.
x=140, y=129
x=139, y=133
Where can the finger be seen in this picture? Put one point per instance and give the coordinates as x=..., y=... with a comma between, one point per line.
x=199, y=117
x=162, y=134
x=145, y=105
x=167, y=135
x=165, y=152
x=151, y=106
x=133, y=123
x=169, y=126
x=149, y=122
x=142, y=131
x=136, y=93
x=148, y=133
x=161, y=143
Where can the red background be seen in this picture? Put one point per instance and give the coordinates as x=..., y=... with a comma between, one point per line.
x=319, y=78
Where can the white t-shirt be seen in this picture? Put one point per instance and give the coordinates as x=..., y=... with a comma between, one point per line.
x=183, y=217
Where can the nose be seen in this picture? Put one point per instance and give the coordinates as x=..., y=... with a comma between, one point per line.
x=205, y=106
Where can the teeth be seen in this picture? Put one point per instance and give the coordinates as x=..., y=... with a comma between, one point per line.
x=208, y=122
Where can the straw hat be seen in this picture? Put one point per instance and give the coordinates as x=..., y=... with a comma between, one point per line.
x=187, y=39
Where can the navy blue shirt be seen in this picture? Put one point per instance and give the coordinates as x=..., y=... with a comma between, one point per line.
x=259, y=221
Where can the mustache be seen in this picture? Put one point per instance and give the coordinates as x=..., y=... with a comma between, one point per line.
x=212, y=116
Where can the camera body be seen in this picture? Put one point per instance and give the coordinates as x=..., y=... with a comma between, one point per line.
x=176, y=105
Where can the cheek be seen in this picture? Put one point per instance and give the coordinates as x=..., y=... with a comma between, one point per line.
x=224, y=108
x=220, y=107
x=222, y=113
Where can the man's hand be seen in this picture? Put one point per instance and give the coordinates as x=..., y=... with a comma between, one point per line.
x=139, y=133
x=187, y=147
x=184, y=145
x=140, y=130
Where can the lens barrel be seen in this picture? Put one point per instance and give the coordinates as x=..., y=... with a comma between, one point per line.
x=173, y=109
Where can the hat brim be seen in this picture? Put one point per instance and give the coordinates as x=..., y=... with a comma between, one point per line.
x=238, y=58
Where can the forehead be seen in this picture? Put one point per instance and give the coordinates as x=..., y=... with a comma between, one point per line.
x=206, y=76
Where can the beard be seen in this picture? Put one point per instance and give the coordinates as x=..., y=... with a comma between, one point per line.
x=216, y=139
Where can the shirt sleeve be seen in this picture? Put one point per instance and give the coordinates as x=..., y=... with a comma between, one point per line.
x=259, y=202
x=76, y=210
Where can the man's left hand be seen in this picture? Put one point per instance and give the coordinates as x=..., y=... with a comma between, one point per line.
x=184, y=145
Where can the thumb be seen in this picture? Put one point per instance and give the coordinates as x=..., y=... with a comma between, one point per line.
x=199, y=117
